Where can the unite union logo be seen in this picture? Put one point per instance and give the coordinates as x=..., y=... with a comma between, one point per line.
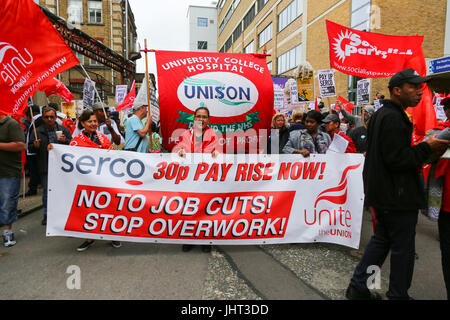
x=337, y=217
x=13, y=65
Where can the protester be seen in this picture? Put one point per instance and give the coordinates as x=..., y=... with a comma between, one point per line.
x=91, y=138
x=332, y=127
x=136, y=132
x=359, y=135
x=279, y=134
x=298, y=124
x=198, y=139
x=309, y=140
x=105, y=125
x=12, y=143
x=34, y=121
x=393, y=188
x=47, y=133
x=354, y=119
x=437, y=181
x=156, y=140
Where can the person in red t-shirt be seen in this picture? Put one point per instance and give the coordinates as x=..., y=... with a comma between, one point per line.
x=332, y=124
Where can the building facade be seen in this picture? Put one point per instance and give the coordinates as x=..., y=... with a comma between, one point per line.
x=202, y=30
x=293, y=31
x=109, y=21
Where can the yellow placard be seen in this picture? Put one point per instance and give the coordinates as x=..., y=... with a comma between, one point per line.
x=306, y=88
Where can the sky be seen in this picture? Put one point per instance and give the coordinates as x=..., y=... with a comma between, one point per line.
x=164, y=24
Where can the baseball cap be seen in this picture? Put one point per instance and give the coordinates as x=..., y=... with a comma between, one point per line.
x=138, y=104
x=331, y=118
x=406, y=76
x=99, y=106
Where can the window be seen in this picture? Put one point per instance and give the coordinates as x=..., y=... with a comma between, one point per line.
x=202, y=45
x=265, y=35
x=290, y=59
x=94, y=63
x=235, y=4
x=202, y=22
x=269, y=66
x=360, y=15
x=228, y=43
x=289, y=14
x=80, y=57
x=248, y=19
x=237, y=32
x=95, y=11
x=250, y=48
x=75, y=11
x=261, y=4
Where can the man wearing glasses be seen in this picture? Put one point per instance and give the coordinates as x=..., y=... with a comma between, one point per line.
x=47, y=133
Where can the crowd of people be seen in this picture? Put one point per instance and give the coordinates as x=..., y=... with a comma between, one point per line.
x=393, y=185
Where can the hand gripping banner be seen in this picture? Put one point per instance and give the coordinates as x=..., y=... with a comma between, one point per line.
x=197, y=199
x=236, y=88
x=367, y=54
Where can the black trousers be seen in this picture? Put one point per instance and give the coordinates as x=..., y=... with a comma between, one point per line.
x=444, y=238
x=395, y=231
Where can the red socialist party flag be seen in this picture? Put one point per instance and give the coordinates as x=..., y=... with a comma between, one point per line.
x=128, y=100
x=31, y=51
x=367, y=54
x=55, y=86
x=237, y=89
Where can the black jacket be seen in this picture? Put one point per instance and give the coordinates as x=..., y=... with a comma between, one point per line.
x=283, y=139
x=42, y=153
x=391, y=170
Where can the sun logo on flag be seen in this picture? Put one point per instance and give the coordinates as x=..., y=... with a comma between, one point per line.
x=337, y=46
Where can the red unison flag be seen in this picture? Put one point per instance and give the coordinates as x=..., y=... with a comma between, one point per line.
x=31, y=51
x=128, y=100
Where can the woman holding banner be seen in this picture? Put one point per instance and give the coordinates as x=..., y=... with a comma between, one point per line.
x=91, y=138
x=309, y=140
x=279, y=134
x=198, y=139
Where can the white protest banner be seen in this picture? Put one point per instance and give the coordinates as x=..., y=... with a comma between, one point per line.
x=326, y=83
x=377, y=104
x=294, y=93
x=88, y=93
x=278, y=101
x=231, y=200
x=363, y=92
x=121, y=92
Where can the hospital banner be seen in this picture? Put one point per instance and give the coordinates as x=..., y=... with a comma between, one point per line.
x=230, y=200
x=236, y=88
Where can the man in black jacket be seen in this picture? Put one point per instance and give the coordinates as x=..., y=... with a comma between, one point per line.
x=392, y=187
x=48, y=132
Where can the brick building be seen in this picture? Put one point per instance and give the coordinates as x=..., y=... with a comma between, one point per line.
x=293, y=31
x=109, y=21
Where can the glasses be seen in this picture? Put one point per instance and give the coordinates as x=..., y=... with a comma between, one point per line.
x=201, y=117
x=48, y=117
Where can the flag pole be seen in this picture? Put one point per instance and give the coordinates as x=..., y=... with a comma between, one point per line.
x=149, y=116
x=95, y=89
x=32, y=122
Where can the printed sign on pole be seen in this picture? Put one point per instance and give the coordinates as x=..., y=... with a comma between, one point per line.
x=121, y=92
x=363, y=92
x=326, y=83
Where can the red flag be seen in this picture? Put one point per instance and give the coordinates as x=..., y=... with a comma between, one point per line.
x=316, y=105
x=348, y=106
x=423, y=115
x=31, y=51
x=367, y=54
x=54, y=86
x=237, y=88
x=128, y=100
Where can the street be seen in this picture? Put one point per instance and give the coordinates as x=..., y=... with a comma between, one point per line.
x=48, y=268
